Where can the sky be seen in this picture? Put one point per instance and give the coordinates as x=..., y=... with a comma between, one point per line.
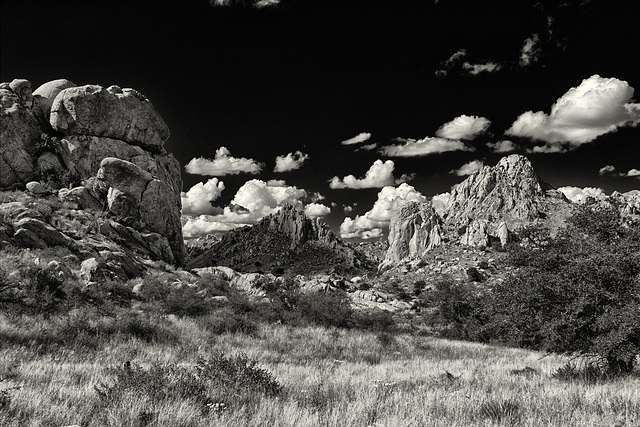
x=350, y=108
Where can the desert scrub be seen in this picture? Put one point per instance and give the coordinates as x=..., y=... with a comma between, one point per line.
x=216, y=383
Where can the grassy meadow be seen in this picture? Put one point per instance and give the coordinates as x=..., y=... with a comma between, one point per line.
x=328, y=377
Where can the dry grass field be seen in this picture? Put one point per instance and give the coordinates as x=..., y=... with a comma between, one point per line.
x=328, y=377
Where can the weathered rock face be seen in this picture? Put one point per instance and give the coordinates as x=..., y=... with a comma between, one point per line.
x=19, y=132
x=511, y=190
x=413, y=230
x=295, y=225
x=69, y=131
x=117, y=113
x=488, y=206
x=286, y=241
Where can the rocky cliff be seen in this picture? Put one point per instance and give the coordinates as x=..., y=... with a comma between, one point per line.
x=95, y=148
x=485, y=208
x=285, y=241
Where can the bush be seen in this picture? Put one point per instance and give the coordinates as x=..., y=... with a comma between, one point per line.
x=39, y=291
x=578, y=293
x=213, y=383
x=325, y=309
x=459, y=309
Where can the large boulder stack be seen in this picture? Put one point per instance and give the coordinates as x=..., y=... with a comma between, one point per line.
x=106, y=144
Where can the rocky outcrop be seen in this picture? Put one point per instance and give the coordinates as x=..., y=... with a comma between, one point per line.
x=486, y=208
x=110, y=140
x=286, y=241
x=297, y=227
x=117, y=113
x=413, y=230
x=19, y=132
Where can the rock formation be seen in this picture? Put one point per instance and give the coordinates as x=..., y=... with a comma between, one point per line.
x=95, y=148
x=487, y=207
x=413, y=230
x=284, y=241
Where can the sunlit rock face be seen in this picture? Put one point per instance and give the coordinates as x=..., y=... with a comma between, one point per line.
x=486, y=208
x=414, y=229
x=110, y=141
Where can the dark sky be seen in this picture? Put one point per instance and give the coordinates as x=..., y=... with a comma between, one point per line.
x=301, y=75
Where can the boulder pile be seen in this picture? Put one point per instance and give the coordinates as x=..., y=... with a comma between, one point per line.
x=94, y=148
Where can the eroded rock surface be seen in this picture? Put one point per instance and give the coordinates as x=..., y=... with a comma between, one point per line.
x=94, y=148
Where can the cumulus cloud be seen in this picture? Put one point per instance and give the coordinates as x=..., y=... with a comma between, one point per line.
x=530, y=51
x=439, y=202
x=423, y=147
x=203, y=224
x=254, y=200
x=199, y=197
x=290, y=162
x=222, y=164
x=464, y=127
x=371, y=224
x=379, y=175
x=597, y=106
x=607, y=169
x=315, y=210
x=633, y=172
x=579, y=195
x=504, y=146
x=468, y=168
x=361, y=137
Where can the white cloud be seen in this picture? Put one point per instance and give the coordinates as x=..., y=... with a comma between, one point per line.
x=379, y=175
x=370, y=224
x=487, y=67
x=367, y=147
x=314, y=210
x=197, y=199
x=347, y=208
x=361, y=137
x=530, y=51
x=504, y=146
x=607, y=169
x=290, y=162
x=203, y=224
x=423, y=147
x=222, y=164
x=464, y=127
x=262, y=199
x=439, y=202
x=254, y=200
x=579, y=195
x=597, y=106
x=468, y=168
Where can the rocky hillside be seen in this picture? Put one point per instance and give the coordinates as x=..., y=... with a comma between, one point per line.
x=284, y=241
x=95, y=154
x=485, y=209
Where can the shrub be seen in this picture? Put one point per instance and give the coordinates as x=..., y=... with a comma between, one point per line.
x=578, y=293
x=216, y=382
x=227, y=320
x=459, y=309
x=39, y=291
x=325, y=309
